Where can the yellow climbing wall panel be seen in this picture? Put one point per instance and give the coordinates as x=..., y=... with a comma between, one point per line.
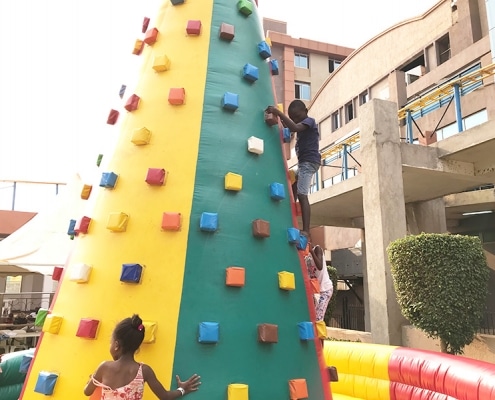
x=173, y=146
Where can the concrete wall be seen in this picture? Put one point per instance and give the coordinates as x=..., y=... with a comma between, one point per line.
x=333, y=238
x=283, y=49
x=318, y=71
x=348, y=335
x=32, y=283
x=406, y=39
x=468, y=32
x=482, y=348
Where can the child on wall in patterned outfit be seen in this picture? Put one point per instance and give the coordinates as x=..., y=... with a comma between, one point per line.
x=317, y=269
x=124, y=378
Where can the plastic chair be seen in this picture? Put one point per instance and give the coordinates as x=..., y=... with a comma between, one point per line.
x=4, y=344
x=17, y=347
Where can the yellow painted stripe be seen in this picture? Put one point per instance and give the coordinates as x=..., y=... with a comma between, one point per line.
x=174, y=147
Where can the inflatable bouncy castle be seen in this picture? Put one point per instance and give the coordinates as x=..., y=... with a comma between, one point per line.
x=190, y=224
x=13, y=368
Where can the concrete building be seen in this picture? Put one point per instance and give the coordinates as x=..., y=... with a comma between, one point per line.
x=304, y=64
x=406, y=125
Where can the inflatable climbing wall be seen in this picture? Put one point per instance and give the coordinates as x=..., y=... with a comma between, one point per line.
x=191, y=225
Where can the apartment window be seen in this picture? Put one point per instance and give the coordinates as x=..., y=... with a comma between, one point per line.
x=364, y=98
x=301, y=60
x=336, y=121
x=443, y=49
x=303, y=91
x=336, y=179
x=415, y=68
x=475, y=119
x=467, y=123
x=13, y=284
x=349, y=112
x=327, y=183
x=351, y=172
x=333, y=180
x=333, y=64
x=447, y=131
x=414, y=74
x=314, y=186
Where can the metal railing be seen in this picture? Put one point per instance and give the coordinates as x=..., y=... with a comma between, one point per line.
x=352, y=319
x=24, y=302
x=14, y=194
x=487, y=326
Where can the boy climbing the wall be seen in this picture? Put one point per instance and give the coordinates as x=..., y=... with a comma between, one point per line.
x=307, y=151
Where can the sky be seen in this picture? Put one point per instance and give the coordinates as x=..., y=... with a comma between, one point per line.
x=63, y=63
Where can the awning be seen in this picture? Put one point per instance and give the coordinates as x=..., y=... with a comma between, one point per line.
x=13, y=270
x=43, y=243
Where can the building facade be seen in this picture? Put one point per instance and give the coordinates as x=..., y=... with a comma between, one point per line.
x=304, y=64
x=406, y=146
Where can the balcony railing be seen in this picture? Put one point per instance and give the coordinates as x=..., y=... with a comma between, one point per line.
x=488, y=324
x=352, y=319
x=24, y=302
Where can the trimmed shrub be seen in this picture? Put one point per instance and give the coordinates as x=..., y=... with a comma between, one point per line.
x=441, y=282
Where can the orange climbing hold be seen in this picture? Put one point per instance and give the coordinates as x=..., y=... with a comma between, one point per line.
x=235, y=276
x=171, y=221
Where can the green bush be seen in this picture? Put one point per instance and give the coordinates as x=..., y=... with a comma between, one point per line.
x=332, y=272
x=441, y=282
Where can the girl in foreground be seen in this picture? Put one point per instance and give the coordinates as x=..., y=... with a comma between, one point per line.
x=124, y=378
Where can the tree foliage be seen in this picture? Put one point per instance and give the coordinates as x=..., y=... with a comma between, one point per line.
x=332, y=272
x=441, y=282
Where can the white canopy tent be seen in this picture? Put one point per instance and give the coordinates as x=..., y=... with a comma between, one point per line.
x=43, y=242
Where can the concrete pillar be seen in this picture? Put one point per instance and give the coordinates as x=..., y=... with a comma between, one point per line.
x=31, y=283
x=384, y=214
x=398, y=87
x=366, y=297
x=426, y=216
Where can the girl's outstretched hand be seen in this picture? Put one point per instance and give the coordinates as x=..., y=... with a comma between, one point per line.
x=191, y=385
